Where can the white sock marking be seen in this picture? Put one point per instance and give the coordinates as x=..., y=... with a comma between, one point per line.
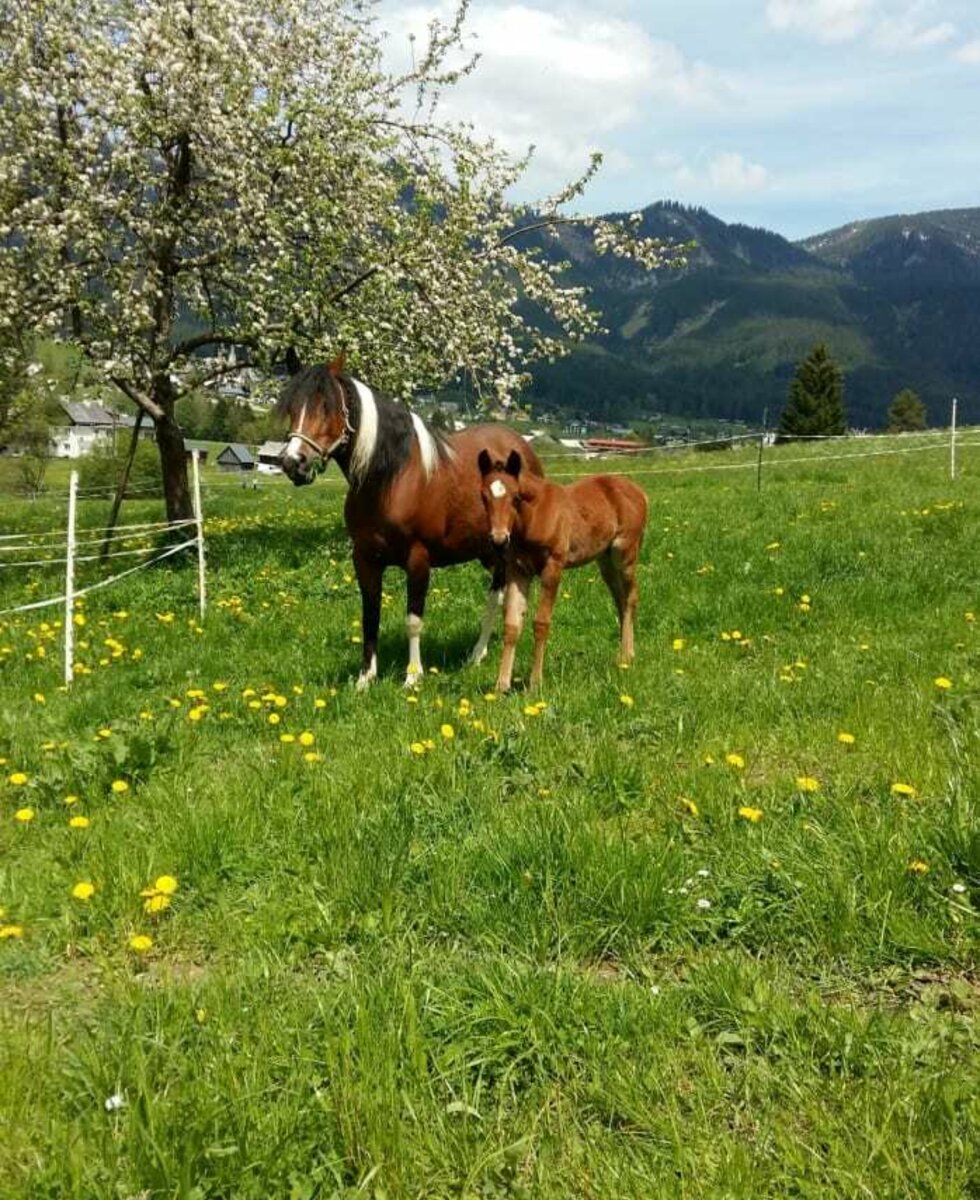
x=414, y=624
x=367, y=432
x=494, y=602
x=365, y=677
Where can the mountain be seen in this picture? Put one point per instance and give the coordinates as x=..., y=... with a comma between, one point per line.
x=897, y=300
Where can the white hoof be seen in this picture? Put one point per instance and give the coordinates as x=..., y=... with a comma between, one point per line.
x=364, y=681
x=413, y=679
x=477, y=655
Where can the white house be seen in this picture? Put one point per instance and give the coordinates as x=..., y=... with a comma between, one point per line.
x=89, y=425
x=268, y=457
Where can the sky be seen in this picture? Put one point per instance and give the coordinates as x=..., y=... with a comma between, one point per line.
x=796, y=115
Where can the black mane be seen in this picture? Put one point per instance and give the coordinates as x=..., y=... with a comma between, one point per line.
x=396, y=432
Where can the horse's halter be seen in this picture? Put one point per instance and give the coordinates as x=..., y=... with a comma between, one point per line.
x=323, y=453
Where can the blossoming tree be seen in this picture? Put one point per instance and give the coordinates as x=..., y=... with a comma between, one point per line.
x=180, y=177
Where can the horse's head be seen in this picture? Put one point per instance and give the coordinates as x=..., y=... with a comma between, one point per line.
x=316, y=406
x=501, y=493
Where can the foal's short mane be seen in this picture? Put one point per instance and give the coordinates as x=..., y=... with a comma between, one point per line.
x=396, y=430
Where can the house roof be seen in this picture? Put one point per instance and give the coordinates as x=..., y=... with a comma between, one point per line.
x=94, y=415
x=270, y=449
x=236, y=452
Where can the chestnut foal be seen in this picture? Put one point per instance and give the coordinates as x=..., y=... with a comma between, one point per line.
x=543, y=528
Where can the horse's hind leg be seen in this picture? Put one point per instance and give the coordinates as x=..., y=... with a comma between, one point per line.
x=618, y=567
x=369, y=576
x=418, y=570
x=495, y=600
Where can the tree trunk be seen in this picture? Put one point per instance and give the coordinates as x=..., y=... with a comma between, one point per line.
x=173, y=462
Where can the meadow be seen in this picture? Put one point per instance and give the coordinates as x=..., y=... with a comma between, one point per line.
x=705, y=928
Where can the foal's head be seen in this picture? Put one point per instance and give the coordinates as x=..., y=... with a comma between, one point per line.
x=316, y=405
x=500, y=489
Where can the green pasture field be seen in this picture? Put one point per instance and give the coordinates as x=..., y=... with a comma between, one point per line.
x=668, y=933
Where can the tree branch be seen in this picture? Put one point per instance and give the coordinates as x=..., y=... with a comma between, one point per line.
x=140, y=398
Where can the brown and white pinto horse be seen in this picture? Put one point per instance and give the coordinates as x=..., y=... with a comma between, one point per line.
x=413, y=499
x=545, y=528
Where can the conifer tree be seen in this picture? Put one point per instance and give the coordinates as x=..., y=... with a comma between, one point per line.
x=815, y=407
x=906, y=413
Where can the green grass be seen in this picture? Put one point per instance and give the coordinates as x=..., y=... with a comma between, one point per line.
x=546, y=957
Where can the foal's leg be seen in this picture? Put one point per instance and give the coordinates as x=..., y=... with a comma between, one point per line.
x=369, y=576
x=418, y=569
x=495, y=600
x=631, y=599
x=550, y=579
x=515, y=608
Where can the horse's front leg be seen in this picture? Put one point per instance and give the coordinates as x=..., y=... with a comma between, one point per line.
x=515, y=608
x=550, y=579
x=370, y=574
x=418, y=569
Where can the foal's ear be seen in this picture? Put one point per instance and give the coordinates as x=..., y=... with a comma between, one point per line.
x=513, y=464
x=293, y=365
x=336, y=365
x=484, y=462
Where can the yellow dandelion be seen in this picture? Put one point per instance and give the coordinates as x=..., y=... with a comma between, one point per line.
x=319, y=702
x=490, y=697
x=845, y=738
x=902, y=789
x=141, y=943
x=806, y=783
x=79, y=822
x=24, y=815
x=153, y=905
x=943, y=683
x=39, y=698
x=417, y=748
x=119, y=786
x=918, y=867
x=83, y=890
x=166, y=885
x=709, y=760
x=11, y=931
x=18, y=779
x=678, y=643
x=274, y=718
x=447, y=732
x=626, y=701
x=306, y=738
x=689, y=807
x=287, y=738
x=736, y=761
x=754, y=815
x=311, y=756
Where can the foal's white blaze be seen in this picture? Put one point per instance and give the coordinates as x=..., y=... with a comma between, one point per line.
x=497, y=490
x=427, y=445
x=367, y=431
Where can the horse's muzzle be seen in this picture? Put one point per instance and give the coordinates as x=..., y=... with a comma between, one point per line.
x=295, y=468
x=500, y=538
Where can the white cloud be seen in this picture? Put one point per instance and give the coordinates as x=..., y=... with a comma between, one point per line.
x=969, y=52
x=826, y=20
x=563, y=79
x=900, y=28
x=911, y=30
x=727, y=174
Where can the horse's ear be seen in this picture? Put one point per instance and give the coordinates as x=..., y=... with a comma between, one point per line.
x=484, y=462
x=513, y=466
x=293, y=365
x=336, y=365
